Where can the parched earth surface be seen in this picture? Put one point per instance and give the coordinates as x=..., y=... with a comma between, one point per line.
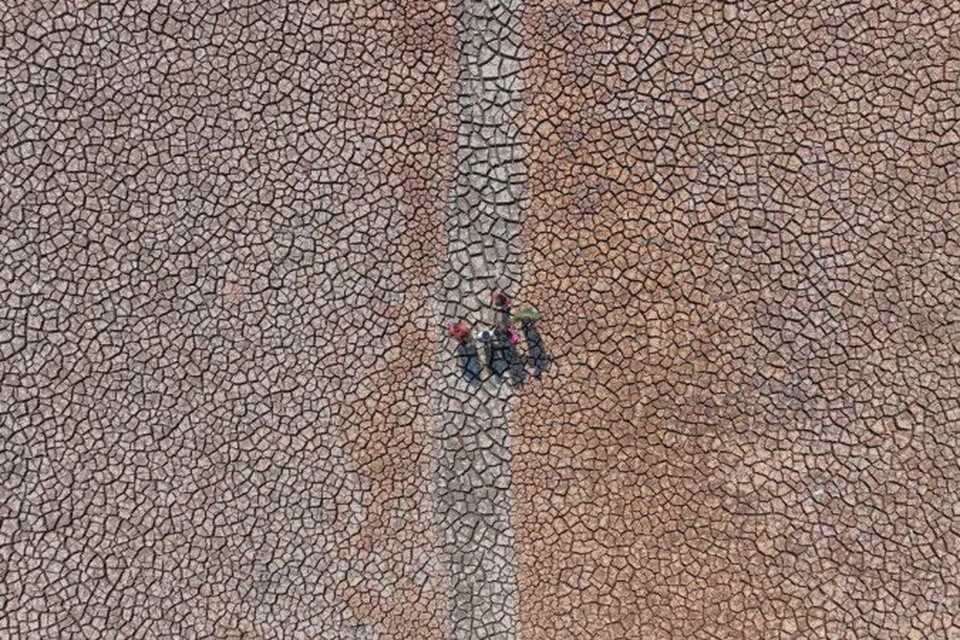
x=232, y=233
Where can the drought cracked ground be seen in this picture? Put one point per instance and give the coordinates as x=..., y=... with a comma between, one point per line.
x=232, y=232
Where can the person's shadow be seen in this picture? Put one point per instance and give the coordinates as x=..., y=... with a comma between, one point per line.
x=470, y=366
x=537, y=357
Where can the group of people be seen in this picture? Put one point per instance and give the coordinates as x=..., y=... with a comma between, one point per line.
x=500, y=345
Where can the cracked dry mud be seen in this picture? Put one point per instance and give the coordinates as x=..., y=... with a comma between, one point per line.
x=231, y=234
